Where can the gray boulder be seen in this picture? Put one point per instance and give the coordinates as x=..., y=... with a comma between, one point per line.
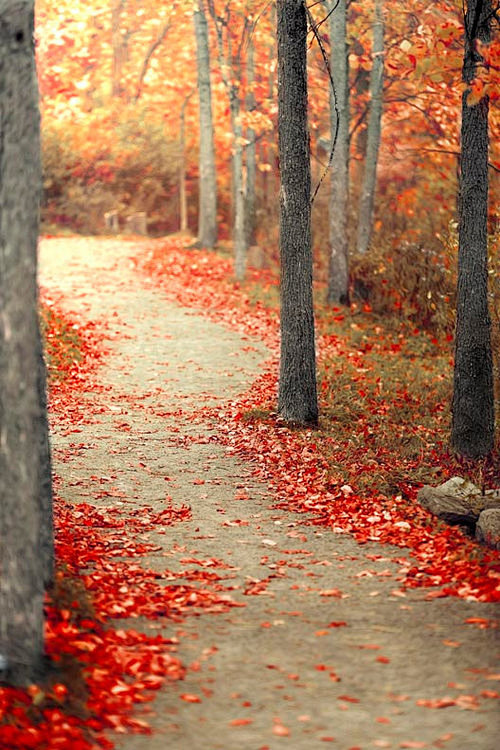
x=452, y=501
x=488, y=528
x=458, y=501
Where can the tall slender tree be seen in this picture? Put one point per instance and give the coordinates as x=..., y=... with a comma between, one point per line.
x=231, y=62
x=119, y=42
x=367, y=197
x=338, y=272
x=297, y=395
x=207, y=211
x=473, y=425
x=25, y=493
x=183, y=210
x=251, y=152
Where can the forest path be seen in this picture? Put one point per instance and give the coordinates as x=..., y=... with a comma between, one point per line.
x=323, y=647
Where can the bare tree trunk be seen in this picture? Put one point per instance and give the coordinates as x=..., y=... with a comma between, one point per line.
x=251, y=153
x=338, y=272
x=119, y=46
x=207, y=211
x=297, y=396
x=365, y=214
x=473, y=424
x=230, y=63
x=239, y=237
x=45, y=471
x=22, y=564
x=182, y=167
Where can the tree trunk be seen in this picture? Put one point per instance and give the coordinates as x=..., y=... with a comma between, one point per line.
x=207, y=210
x=183, y=218
x=365, y=214
x=239, y=237
x=45, y=471
x=297, y=397
x=230, y=67
x=22, y=564
x=119, y=48
x=473, y=404
x=251, y=153
x=338, y=272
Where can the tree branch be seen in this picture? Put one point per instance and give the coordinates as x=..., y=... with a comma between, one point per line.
x=149, y=54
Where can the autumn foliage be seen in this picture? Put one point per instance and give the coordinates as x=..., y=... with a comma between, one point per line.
x=113, y=80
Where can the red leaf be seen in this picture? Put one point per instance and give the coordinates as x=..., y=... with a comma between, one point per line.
x=348, y=698
x=190, y=698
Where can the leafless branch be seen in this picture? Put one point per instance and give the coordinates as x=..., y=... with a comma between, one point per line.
x=149, y=54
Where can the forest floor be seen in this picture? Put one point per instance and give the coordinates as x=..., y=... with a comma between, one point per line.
x=290, y=634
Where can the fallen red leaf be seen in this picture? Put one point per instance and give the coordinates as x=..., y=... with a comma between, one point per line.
x=281, y=731
x=190, y=698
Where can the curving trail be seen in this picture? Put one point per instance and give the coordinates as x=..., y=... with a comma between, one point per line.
x=316, y=644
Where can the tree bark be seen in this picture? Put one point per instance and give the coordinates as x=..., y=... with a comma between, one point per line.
x=297, y=396
x=119, y=44
x=22, y=422
x=230, y=63
x=251, y=153
x=45, y=471
x=183, y=214
x=367, y=198
x=338, y=273
x=207, y=208
x=239, y=237
x=473, y=420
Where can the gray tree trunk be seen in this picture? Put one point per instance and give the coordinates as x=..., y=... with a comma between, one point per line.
x=183, y=214
x=297, y=395
x=207, y=210
x=22, y=422
x=367, y=198
x=120, y=48
x=230, y=67
x=473, y=404
x=251, y=154
x=338, y=273
x=45, y=472
x=239, y=237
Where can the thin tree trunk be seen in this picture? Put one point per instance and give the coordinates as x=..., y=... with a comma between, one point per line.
x=473, y=425
x=22, y=565
x=251, y=153
x=338, y=273
x=207, y=210
x=119, y=48
x=239, y=237
x=297, y=396
x=230, y=67
x=367, y=198
x=182, y=167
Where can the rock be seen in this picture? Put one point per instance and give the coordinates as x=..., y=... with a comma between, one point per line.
x=454, y=501
x=488, y=528
x=460, y=502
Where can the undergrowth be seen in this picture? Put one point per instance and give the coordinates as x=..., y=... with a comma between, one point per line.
x=62, y=343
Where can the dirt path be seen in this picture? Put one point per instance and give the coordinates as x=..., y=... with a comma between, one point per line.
x=325, y=648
